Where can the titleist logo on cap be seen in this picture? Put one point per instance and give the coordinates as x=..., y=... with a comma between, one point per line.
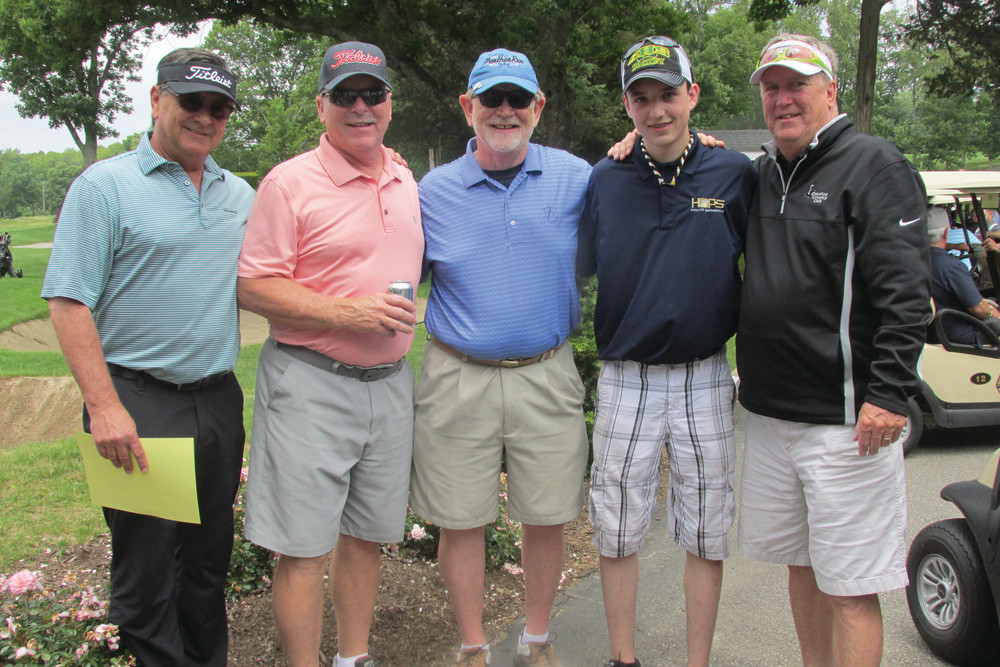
x=209, y=74
x=354, y=56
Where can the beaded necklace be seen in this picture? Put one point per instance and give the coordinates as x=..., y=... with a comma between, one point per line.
x=656, y=172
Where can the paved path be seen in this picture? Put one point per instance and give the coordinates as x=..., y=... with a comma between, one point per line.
x=755, y=624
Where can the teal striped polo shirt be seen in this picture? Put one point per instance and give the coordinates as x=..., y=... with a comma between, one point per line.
x=155, y=261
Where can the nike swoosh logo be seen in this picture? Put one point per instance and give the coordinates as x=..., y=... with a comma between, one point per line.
x=904, y=223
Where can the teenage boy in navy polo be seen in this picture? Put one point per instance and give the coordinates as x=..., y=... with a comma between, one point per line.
x=667, y=302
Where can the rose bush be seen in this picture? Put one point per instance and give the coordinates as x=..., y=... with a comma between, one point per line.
x=64, y=626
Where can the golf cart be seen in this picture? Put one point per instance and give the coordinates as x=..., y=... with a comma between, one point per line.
x=960, y=384
x=954, y=570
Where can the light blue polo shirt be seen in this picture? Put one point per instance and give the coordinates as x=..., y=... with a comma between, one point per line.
x=155, y=261
x=503, y=259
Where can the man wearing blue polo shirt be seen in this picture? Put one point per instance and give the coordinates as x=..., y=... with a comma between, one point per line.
x=498, y=384
x=142, y=291
x=664, y=231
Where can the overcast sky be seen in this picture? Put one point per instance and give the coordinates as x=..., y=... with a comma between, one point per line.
x=30, y=135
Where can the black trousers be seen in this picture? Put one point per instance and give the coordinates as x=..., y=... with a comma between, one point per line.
x=167, y=578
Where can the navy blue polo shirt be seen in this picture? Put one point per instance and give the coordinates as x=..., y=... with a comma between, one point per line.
x=953, y=287
x=666, y=257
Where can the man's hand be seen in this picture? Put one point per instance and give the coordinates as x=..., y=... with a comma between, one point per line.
x=116, y=438
x=396, y=157
x=383, y=313
x=877, y=428
x=623, y=148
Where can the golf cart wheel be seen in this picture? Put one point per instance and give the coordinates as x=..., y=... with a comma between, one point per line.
x=949, y=595
x=914, y=428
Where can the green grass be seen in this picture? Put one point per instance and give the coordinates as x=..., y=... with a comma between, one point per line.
x=25, y=231
x=44, y=503
x=21, y=296
x=32, y=364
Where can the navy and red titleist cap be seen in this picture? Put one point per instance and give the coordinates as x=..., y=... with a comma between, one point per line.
x=349, y=59
x=198, y=77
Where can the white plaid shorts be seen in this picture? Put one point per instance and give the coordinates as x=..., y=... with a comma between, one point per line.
x=640, y=408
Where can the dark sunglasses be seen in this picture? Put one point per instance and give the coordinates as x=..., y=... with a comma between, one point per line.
x=517, y=99
x=193, y=103
x=347, y=98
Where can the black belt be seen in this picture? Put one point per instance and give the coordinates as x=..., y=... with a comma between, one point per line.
x=323, y=362
x=129, y=374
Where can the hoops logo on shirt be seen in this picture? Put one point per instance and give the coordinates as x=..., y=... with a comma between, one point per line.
x=707, y=205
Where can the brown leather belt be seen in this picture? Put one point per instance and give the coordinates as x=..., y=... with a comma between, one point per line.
x=518, y=362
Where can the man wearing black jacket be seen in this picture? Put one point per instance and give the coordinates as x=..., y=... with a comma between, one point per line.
x=832, y=316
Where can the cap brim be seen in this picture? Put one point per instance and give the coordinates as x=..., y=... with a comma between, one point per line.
x=332, y=83
x=186, y=87
x=520, y=82
x=674, y=79
x=802, y=68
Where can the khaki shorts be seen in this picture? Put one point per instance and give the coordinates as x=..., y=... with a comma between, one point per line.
x=807, y=498
x=470, y=417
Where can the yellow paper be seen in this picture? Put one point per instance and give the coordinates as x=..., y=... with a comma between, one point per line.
x=168, y=490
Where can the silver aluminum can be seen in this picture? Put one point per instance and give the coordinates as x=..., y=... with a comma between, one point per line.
x=402, y=288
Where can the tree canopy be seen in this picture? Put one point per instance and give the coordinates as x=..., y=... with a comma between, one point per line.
x=68, y=60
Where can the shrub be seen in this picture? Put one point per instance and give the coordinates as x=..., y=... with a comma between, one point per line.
x=585, y=350
x=250, y=566
x=63, y=627
x=503, y=537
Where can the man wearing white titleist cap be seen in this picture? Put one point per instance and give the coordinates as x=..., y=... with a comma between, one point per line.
x=832, y=321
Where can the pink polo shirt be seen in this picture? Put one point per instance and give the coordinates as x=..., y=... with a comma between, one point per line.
x=322, y=223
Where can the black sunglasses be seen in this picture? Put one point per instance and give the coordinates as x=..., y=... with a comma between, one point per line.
x=517, y=99
x=193, y=103
x=347, y=98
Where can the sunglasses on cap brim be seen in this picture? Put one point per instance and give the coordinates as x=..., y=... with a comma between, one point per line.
x=798, y=52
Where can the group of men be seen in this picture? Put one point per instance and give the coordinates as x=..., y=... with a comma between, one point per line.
x=147, y=269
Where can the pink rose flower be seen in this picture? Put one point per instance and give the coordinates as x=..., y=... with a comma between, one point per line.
x=417, y=532
x=23, y=651
x=23, y=582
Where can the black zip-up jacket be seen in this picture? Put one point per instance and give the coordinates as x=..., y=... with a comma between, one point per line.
x=835, y=296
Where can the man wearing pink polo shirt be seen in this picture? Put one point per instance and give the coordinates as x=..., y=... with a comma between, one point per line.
x=333, y=422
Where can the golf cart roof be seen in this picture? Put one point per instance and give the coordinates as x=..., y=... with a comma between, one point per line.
x=944, y=186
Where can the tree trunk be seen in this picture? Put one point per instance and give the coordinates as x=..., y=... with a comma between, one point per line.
x=864, y=96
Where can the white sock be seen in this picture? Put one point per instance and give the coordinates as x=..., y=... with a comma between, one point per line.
x=469, y=647
x=349, y=662
x=533, y=639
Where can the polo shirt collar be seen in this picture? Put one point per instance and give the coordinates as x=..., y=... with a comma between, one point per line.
x=472, y=173
x=341, y=171
x=150, y=160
